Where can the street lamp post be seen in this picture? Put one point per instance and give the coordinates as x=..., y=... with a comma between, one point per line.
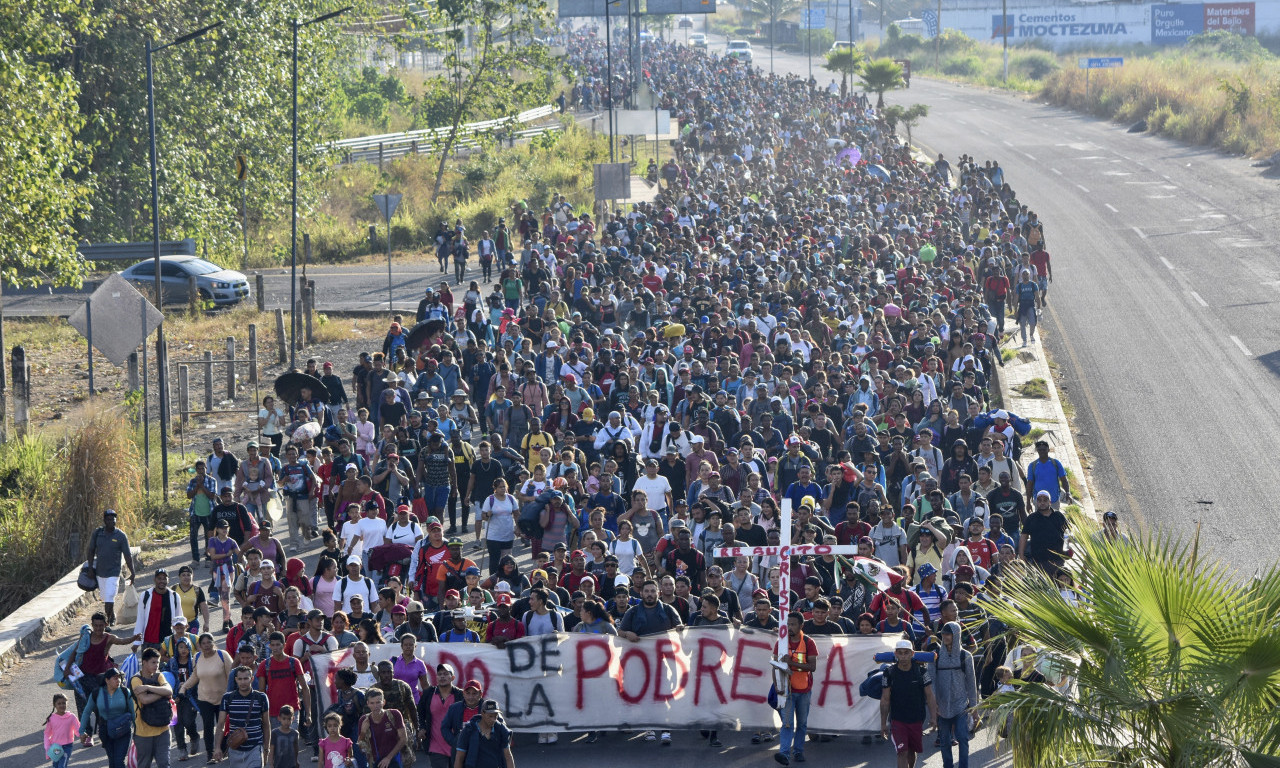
x=293, y=178
x=162, y=362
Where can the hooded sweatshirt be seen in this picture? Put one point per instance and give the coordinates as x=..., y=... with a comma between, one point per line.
x=954, y=683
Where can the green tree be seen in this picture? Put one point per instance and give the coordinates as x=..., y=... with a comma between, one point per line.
x=880, y=75
x=491, y=53
x=226, y=94
x=907, y=116
x=847, y=61
x=40, y=200
x=1162, y=660
x=760, y=11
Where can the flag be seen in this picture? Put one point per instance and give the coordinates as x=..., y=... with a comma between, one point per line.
x=875, y=572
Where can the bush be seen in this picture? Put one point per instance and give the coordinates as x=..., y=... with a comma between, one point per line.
x=965, y=66
x=54, y=489
x=1036, y=65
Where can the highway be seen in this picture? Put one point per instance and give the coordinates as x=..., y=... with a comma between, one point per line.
x=1161, y=316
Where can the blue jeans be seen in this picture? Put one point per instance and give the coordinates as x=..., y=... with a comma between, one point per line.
x=795, y=724
x=958, y=728
x=117, y=750
x=66, y=756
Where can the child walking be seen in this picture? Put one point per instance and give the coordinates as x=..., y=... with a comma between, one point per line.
x=61, y=728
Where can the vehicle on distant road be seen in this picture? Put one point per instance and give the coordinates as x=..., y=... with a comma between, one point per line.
x=698, y=40
x=739, y=49
x=685, y=22
x=840, y=45
x=213, y=283
x=645, y=36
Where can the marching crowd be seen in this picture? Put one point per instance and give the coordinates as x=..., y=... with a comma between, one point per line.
x=788, y=322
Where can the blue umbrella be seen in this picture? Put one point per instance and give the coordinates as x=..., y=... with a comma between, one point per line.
x=878, y=171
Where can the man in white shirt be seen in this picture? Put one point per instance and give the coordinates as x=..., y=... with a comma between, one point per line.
x=370, y=532
x=656, y=487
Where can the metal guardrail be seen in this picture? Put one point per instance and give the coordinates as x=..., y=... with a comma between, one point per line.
x=388, y=146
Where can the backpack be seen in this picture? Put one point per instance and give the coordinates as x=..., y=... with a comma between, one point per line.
x=557, y=621
x=158, y=713
x=873, y=686
x=529, y=521
x=453, y=577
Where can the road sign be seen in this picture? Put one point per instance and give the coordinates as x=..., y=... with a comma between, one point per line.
x=612, y=181
x=242, y=167
x=1101, y=62
x=815, y=18
x=387, y=204
x=122, y=319
x=677, y=7
x=642, y=122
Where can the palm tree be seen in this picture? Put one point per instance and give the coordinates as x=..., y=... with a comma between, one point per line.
x=880, y=75
x=846, y=61
x=1161, y=660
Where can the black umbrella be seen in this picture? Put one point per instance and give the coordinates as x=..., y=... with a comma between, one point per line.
x=421, y=334
x=289, y=387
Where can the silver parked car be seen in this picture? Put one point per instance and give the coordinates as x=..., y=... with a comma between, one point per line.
x=221, y=286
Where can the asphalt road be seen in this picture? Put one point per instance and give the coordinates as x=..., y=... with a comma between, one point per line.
x=1161, y=317
x=339, y=288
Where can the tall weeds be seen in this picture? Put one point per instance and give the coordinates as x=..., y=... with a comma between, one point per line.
x=53, y=491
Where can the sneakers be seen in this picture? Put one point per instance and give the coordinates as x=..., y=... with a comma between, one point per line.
x=799, y=758
x=782, y=759
x=716, y=744
x=542, y=738
x=666, y=738
x=650, y=736
x=552, y=738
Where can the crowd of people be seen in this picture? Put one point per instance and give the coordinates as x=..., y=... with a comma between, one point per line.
x=787, y=323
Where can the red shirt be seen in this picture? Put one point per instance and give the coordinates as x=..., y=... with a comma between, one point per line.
x=983, y=551
x=849, y=532
x=511, y=629
x=909, y=600
x=1040, y=260
x=281, y=685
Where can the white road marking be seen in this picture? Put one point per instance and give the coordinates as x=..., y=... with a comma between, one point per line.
x=1116, y=173
x=1166, y=263
x=1250, y=226
x=1083, y=188
x=1142, y=182
x=1008, y=143
x=1199, y=300
x=1111, y=208
x=1242, y=347
x=1029, y=156
x=1160, y=197
x=1055, y=170
x=1141, y=234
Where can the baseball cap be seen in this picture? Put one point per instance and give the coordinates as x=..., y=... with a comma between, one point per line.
x=503, y=599
x=354, y=559
x=180, y=619
x=577, y=553
x=455, y=542
x=452, y=593
x=399, y=609
x=502, y=587
x=270, y=565
x=490, y=706
x=904, y=645
x=473, y=684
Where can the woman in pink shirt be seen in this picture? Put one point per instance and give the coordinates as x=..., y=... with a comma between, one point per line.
x=61, y=729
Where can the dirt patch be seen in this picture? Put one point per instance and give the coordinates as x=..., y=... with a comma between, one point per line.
x=60, y=376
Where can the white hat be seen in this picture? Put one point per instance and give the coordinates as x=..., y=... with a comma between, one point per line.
x=1002, y=414
x=696, y=439
x=1045, y=494
x=904, y=644
x=622, y=580
x=502, y=587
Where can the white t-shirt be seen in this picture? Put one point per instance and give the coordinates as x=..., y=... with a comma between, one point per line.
x=627, y=553
x=346, y=588
x=372, y=531
x=502, y=521
x=407, y=535
x=656, y=488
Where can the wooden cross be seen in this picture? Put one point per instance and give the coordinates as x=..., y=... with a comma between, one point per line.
x=785, y=552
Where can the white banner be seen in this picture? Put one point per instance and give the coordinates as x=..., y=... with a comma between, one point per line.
x=685, y=679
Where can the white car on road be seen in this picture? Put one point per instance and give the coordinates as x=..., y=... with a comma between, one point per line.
x=739, y=49
x=698, y=40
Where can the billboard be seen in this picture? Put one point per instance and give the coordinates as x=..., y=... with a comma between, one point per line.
x=573, y=8
x=1173, y=24
x=679, y=7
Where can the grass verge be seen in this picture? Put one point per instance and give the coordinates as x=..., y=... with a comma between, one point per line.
x=1036, y=387
x=1219, y=89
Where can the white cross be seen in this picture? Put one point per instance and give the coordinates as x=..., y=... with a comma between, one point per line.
x=785, y=552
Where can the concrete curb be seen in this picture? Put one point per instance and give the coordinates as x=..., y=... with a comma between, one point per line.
x=1029, y=363
x=22, y=630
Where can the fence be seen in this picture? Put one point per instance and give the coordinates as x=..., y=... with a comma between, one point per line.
x=389, y=146
x=230, y=383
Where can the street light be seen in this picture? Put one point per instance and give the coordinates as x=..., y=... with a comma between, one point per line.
x=293, y=219
x=162, y=362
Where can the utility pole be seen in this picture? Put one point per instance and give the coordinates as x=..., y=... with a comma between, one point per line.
x=1004, y=24
x=937, y=37
x=608, y=88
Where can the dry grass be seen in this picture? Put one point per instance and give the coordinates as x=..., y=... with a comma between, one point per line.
x=54, y=487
